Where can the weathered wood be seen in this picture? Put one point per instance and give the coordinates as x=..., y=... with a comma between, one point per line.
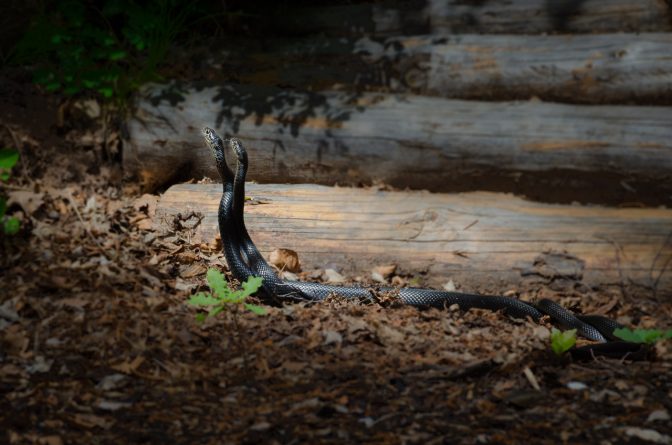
x=539, y=16
x=491, y=16
x=604, y=68
x=623, y=68
x=471, y=238
x=558, y=152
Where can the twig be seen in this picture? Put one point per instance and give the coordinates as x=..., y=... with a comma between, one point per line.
x=71, y=201
x=15, y=188
x=239, y=340
x=473, y=223
x=624, y=292
x=531, y=378
x=19, y=147
x=662, y=270
x=621, y=277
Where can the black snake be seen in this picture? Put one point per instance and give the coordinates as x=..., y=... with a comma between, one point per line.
x=244, y=260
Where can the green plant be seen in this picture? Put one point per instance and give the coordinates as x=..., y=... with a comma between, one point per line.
x=221, y=297
x=108, y=47
x=8, y=158
x=649, y=336
x=562, y=341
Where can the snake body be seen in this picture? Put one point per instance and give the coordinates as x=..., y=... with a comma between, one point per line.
x=245, y=260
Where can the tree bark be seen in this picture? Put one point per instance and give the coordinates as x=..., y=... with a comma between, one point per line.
x=475, y=239
x=592, y=69
x=441, y=17
x=547, y=151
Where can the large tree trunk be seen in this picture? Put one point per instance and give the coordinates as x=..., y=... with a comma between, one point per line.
x=489, y=16
x=549, y=151
x=475, y=239
x=596, y=69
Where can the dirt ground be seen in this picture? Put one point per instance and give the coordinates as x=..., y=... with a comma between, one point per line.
x=98, y=345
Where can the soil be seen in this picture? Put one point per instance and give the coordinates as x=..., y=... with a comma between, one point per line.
x=98, y=344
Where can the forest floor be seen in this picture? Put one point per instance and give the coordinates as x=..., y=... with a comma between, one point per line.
x=98, y=345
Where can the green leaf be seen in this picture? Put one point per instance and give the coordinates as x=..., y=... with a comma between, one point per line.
x=3, y=207
x=642, y=335
x=251, y=285
x=234, y=297
x=11, y=226
x=117, y=55
x=8, y=158
x=91, y=84
x=71, y=90
x=255, y=309
x=203, y=299
x=106, y=92
x=52, y=86
x=561, y=342
x=217, y=283
x=4, y=176
x=200, y=317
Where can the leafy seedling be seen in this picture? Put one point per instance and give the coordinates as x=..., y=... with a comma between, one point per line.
x=562, y=341
x=11, y=226
x=221, y=297
x=648, y=336
x=8, y=159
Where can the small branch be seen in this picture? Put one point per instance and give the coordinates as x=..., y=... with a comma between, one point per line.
x=71, y=201
x=621, y=278
x=15, y=188
x=19, y=148
x=236, y=326
x=665, y=265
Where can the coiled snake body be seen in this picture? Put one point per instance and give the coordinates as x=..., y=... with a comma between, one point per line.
x=245, y=260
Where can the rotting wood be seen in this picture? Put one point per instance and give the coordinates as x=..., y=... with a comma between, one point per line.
x=475, y=239
x=493, y=17
x=597, y=69
x=563, y=152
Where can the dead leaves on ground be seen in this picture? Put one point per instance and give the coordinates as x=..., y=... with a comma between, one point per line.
x=98, y=345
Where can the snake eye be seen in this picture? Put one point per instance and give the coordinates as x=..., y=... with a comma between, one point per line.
x=208, y=134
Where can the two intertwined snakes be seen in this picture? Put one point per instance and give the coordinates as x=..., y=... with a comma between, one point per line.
x=244, y=260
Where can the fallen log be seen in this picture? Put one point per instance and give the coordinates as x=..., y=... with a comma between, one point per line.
x=539, y=16
x=595, y=69
x=474, y=239
x=546, y=151
x=459, y=16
